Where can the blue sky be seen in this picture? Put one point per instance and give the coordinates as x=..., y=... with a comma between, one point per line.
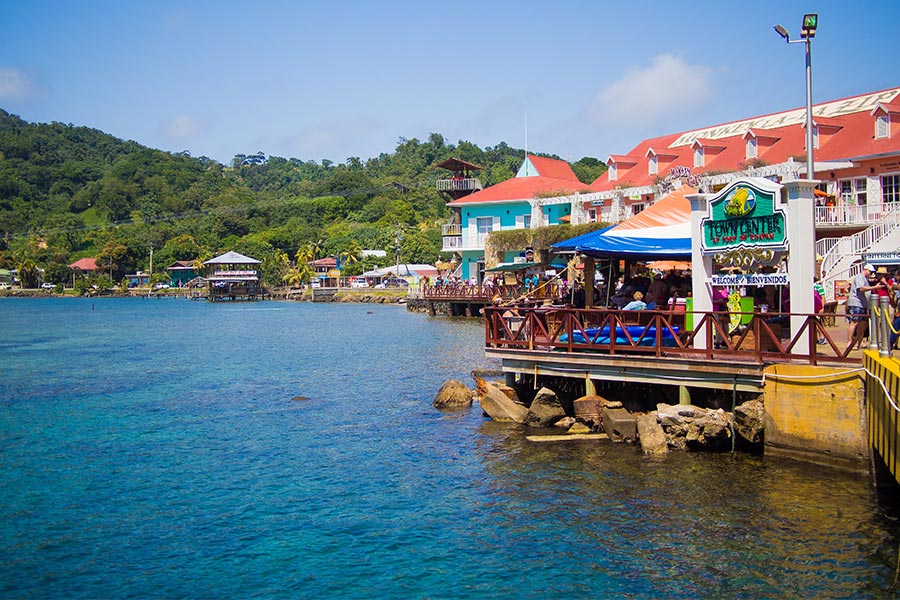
x=331, y=80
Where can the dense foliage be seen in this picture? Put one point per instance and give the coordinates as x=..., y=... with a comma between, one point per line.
x=68, y=192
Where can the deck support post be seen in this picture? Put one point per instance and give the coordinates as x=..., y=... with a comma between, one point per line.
x=701, y=267
x=801, y=231
x=589, y=388
x=684, y=395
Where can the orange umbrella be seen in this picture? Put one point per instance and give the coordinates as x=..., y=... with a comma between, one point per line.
x=668, y=265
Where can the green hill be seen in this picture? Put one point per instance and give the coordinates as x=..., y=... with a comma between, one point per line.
x=67, y=192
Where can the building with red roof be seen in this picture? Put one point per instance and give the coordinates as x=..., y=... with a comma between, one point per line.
x=88, y=265
x=543, y=192
x=856, y=152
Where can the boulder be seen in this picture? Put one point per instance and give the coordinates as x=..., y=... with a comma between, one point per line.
x=545, y=409
x=453, y=395
x=481, y=383
x=566, y=423
x=709, y=432
x=499, y=407
x=651, y=434
x=750, y=421
x=579, y=428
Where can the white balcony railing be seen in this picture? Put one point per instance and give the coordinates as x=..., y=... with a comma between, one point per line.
x=469, y=184
x=451, y=243
x=865, y=214
x=451, y=229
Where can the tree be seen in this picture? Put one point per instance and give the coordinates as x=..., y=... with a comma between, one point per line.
x=29, y=274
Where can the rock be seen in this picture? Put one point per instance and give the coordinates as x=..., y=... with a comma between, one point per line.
x=749, y=421
x=613, y=404
x=453, y=395
x=619, y=425
x=498, y=406
x=579, y=428
x=545, y=409
x=565, y=423
x=710, y=431
x=651, y=434
x=481, y=383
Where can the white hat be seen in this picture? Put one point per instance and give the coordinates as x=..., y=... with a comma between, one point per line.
x=868, y=267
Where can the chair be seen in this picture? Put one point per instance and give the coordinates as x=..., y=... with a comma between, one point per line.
x=828, y=313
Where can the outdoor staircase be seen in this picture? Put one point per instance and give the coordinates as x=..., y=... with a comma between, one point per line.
x=841, y=257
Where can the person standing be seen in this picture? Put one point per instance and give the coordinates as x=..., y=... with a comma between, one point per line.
x=858, y=302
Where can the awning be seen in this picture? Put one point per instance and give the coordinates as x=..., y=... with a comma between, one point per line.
x=514, y=266
x=662, y=231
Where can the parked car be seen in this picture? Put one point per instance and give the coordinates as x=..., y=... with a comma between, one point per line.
x=48, y=286
x=392, y=282
x=315, y=283
x=5, y=286
x=359, y=283
x=161, y=286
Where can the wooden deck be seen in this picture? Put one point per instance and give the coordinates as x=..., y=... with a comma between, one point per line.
x=657, y=347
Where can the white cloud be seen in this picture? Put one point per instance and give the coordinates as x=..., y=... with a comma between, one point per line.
x=184, y=127
x=645, y=96
x=14, y=85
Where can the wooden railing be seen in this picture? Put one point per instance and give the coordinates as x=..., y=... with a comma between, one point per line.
x=458, y=185
x=487, y=293
x=764, y=337
x=882, y=419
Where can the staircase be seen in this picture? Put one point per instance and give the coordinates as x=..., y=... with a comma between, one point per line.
x=841, y=256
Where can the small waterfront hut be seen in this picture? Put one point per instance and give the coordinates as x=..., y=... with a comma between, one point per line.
x=182, y=271
x=233, y=276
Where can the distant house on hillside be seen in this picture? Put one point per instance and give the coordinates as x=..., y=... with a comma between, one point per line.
x=233, y=276
x=324, y=269
x=182, y=271
x=86, y=265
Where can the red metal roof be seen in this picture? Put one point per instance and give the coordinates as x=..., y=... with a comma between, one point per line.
x=851, y=119
x=551, y=167
x=85, y=264
x=523, y=188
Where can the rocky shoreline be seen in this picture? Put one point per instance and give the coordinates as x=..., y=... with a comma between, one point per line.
x=667, y=427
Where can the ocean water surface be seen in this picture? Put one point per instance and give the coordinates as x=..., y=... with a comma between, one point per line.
x=153, y=449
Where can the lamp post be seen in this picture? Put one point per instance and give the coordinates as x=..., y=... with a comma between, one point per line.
x=807, y=33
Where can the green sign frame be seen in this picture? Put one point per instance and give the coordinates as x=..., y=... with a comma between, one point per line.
x=743, y=215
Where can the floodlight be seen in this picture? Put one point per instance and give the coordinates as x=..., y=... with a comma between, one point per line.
x=810, y=22
x=783, y=33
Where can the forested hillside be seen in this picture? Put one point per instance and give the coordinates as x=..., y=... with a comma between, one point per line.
x=67, y=192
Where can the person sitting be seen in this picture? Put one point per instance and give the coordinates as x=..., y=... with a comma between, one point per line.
x=637, y=303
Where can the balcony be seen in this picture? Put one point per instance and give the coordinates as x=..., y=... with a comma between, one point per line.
x=469, y=184
x=855, y=215
x=451, y=229
x=451, y=243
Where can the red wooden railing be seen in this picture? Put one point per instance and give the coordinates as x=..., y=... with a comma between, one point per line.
x=764, y=338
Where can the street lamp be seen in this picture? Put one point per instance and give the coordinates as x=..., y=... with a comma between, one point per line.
x=807, y=33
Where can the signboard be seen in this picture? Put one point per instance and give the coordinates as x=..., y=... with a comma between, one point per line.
x=334, y=272
x=749, y=280
x=841, y=290
x=882, y=258
x=743, y=216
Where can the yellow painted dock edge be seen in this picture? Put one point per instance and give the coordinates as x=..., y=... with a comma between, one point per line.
x=881, y=417
x=817, y=413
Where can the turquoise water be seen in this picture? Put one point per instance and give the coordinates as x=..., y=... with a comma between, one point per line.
x=152, y=449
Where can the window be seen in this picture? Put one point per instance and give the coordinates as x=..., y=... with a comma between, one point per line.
x=860, y=183
x=526, y=222
x=698, y=157
x=485, y=226
x=815, y=137
x=890, y=188
x=846, y=188
x=882, y=127
x=752, y=149
x=636, y=208
x=653, y=167
x=592, y=213
x=612, y=171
